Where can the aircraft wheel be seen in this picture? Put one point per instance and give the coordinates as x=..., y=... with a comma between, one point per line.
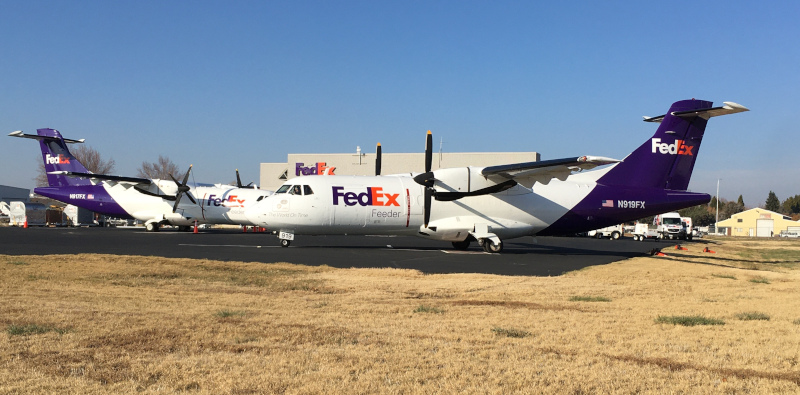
x=599, y=235
x=184, y=228
x=461, y=245
x=151, y=227
x=488, y=246
x=615, y=236
x=285, y=243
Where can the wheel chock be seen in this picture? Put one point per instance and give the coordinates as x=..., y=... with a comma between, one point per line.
x=709, y=251
x=678, y=247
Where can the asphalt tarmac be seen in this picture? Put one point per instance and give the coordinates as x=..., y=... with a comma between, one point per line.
x=542, y=256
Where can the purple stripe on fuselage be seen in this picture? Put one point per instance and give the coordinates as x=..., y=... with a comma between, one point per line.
x=628, y=204
x=91, y=197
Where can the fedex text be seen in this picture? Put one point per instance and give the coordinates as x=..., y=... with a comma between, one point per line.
x=231, y=201
x=317, y=168
x=56, y=160
x=679, y=147
x=374, y=196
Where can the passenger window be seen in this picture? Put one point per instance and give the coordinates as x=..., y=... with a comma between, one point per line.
x=283, y=189
x=307, y=190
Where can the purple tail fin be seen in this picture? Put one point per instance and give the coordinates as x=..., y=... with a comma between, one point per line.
x=57, y=158
x=667, y=159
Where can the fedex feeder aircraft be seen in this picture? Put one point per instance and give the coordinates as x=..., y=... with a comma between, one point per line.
x=491, y=204
x=153, y=201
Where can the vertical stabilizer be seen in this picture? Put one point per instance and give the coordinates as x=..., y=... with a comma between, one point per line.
x=57, y=158
x=667, y=159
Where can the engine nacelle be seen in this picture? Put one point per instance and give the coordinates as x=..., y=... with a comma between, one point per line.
x=455, y=183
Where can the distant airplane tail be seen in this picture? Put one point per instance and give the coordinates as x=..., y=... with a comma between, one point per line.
x=667, y=159
x=57, y=158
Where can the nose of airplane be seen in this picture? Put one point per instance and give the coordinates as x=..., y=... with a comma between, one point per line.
x=257, y=213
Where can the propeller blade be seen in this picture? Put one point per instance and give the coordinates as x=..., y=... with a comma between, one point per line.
x=189, y=195
x=186, y=177
x=427, y=216
x=177, y=202
x=428, y=151
x=378, y=160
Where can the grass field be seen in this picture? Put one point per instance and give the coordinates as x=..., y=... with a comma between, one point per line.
x=690, y=322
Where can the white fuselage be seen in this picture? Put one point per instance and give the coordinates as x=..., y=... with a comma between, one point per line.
x=216, y=204
x=394, y=205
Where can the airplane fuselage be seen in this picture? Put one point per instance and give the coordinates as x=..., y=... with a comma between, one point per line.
x=217, y=204
x=358, y=205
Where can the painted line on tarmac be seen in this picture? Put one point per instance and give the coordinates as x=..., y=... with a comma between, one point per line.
x=227, y=245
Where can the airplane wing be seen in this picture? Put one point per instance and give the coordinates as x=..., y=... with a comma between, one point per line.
x=105, y=177
x=544, y=171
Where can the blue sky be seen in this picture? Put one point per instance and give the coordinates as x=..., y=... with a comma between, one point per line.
x=226, y=85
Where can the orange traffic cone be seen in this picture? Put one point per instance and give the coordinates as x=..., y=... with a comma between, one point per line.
x=195, y=226
x=25, y=225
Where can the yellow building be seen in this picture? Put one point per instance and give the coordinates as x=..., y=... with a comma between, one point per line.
x=758, y=222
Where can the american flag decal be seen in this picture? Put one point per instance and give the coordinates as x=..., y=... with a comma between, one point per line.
x=607, y=203
x=90, y=196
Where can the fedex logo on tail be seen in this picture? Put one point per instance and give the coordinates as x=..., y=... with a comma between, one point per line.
x=679, y=147
x=374, y=196
x=56, y=160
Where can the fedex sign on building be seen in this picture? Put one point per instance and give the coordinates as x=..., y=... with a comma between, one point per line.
x=318, y=168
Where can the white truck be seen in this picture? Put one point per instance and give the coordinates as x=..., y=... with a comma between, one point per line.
x=613, y=232
x=665, y=226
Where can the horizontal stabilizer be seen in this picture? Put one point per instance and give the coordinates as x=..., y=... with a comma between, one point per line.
x=19, y=133
x=728, y=108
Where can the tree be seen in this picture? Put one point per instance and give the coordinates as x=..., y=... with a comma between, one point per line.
x=162, y=169
x=740, y=201
x=791, y=205
x=701, y=215
x=772, y=203
x=713, y=202
x=88, y=156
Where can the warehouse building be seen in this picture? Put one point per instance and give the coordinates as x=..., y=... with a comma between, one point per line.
x=758, y=222
x=363, y=164
x=9, y=194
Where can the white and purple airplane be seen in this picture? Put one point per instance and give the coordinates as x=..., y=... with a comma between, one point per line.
x=153, y=201
x=491, y=204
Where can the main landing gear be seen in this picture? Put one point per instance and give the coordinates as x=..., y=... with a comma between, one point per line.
x=487, y=244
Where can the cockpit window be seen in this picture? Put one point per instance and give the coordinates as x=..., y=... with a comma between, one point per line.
x=295, y=190
x=307, y=190
x=283, y=189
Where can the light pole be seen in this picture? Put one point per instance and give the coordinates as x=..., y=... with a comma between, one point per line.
x=716, y=224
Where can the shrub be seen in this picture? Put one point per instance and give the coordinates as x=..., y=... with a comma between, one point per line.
x=688, y=320
x=752, y=316
x=589, y=299
x=428, y=309
x=510, y=332
x=759, y=280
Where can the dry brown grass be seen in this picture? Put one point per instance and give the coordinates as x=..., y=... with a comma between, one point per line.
x=123, y=324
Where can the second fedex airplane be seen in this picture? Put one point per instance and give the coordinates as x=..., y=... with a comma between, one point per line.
x=491, y=204
x=153, y=201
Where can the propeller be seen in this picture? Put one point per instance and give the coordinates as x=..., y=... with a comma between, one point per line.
x=427, y=179
x=183, y=189
x=239, y=182
x=378, y=160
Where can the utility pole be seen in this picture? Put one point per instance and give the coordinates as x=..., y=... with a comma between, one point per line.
x=716, y=224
